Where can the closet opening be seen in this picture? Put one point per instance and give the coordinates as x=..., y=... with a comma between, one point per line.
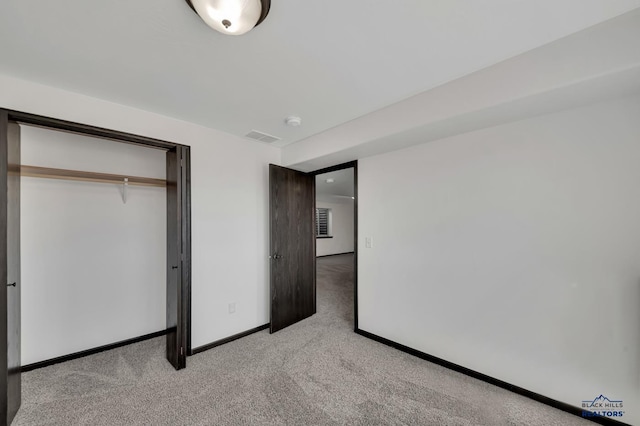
x=97, y=252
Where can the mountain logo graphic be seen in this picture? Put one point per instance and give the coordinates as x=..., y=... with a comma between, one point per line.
x=602, y=399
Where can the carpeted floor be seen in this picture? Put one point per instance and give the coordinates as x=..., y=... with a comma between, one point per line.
x=317, y=372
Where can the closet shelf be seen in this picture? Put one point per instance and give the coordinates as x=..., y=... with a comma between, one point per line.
x=49, y=173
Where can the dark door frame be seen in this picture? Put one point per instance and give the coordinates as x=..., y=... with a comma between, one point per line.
x=348, y=165
x=184, y=199
x=10, y=375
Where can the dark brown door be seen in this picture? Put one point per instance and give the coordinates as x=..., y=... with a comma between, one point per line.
x=177, y=256
x=293, y=246
x=10, y=387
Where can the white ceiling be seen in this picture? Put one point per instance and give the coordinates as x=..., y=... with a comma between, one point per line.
x=340, y=190
x=328, y=61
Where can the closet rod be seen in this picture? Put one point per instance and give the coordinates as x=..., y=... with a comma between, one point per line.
x=49, y=173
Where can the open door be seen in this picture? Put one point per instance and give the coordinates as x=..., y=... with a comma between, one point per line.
x=10, y=380
x=293, y=246
x=178, y=255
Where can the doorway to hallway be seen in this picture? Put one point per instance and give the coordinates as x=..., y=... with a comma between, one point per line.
x=336, y=242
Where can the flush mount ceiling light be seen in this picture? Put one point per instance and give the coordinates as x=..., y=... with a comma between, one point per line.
x=232, y=17
x=293, y=121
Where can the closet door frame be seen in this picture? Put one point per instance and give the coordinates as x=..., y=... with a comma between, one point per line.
x=183, y=216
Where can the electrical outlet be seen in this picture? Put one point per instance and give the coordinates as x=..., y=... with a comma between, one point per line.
x=232, y=307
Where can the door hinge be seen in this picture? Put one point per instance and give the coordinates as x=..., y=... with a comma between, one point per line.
x=181, y=350
x=182, y=162
x=182, y=256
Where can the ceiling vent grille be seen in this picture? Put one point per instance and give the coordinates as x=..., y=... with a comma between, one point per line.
x=262, y=137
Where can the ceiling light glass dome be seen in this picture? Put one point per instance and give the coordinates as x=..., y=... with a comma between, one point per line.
x=232, y=17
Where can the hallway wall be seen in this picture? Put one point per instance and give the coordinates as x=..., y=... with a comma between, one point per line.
x=342, y=229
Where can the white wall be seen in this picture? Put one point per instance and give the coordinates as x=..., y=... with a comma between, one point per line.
x=229, y=202
x=341, y=229
x=93, y=267
x=513, y=251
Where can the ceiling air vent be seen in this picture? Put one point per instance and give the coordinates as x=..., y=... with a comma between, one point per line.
x=262, y=137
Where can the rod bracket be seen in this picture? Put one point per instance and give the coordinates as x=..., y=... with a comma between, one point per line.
x=125, y=186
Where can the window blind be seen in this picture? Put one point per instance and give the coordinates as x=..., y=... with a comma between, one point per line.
x=322, y=222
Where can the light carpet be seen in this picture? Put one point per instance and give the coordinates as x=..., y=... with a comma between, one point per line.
x=316, y=372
